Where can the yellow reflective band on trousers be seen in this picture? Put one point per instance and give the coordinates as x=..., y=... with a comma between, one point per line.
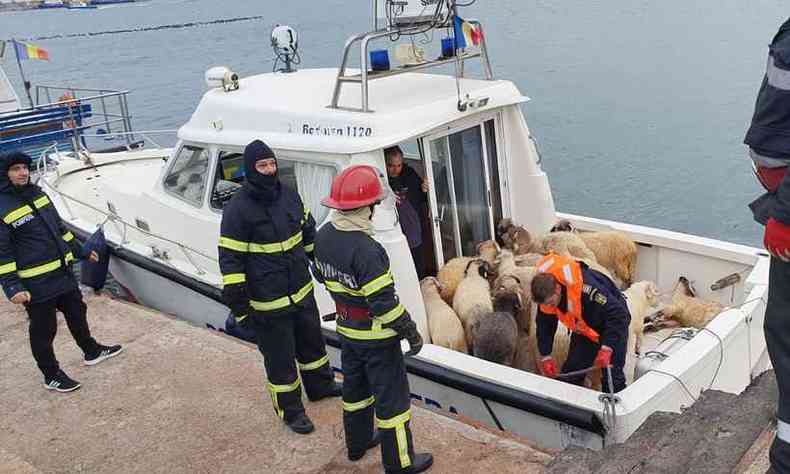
x=17, y=213
x=275, y=389
x=68, y=236
x=233, y=278
x=45, y=268
x=8, y=268
x=398, y=423
x=356, y=406
x=283, y=302
x=251, y=247
x=313, y=365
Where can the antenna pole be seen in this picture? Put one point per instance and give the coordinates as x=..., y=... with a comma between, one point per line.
x=375, y=15
x=25, y=82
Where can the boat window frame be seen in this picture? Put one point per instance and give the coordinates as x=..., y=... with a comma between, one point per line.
x=172, y=162
x=335, y=161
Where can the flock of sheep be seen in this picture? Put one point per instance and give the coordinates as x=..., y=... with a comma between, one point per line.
x=483, y=306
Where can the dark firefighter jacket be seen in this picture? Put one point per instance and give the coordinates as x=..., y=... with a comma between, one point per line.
x=769, y=133
x=603, y=308
x=356, y=272
x=36, y=250
x=263, y=252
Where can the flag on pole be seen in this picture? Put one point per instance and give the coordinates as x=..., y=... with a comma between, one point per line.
x=466, y=33
x=29, y=51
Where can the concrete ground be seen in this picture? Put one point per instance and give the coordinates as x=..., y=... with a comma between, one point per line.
x=185, y=399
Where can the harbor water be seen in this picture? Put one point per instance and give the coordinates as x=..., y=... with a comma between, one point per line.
x=640, y=107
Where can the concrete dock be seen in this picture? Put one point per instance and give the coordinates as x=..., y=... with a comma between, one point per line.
x=186, y=399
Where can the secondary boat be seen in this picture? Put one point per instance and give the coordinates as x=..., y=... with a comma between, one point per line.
x=160, y=209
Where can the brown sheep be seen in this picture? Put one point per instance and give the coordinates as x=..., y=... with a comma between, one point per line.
x=686, y=310
x=563, y=243
x=615, y=251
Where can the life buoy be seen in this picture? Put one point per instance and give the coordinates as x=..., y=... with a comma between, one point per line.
x=72, y=102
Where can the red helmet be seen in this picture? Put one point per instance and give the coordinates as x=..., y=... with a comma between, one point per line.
x=357, y=186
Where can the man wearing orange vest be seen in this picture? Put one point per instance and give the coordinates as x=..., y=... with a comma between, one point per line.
x=590, y=306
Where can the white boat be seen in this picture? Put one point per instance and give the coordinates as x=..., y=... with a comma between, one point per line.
x=161, y=211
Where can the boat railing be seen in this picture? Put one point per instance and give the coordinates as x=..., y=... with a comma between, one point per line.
x=123, y=228
x=366, y=75
x=67, y=116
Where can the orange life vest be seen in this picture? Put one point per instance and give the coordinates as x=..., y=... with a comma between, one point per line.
x=568, y=273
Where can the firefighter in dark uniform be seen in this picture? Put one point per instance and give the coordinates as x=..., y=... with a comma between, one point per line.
x=769, y=147
x=266, y=239
x=371, y=322
x=589, y=305
x=36, y=253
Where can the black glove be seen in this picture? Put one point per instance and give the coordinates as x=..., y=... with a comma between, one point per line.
x=407, y=329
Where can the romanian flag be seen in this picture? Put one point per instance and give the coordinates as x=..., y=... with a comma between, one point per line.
x=29, y=51
x=466, y=33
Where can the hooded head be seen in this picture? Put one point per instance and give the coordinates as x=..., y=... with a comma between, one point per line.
x=263, y=186
x=6, y=162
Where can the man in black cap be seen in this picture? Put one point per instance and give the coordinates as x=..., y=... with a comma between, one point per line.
x=265, y=241
x=36, y=252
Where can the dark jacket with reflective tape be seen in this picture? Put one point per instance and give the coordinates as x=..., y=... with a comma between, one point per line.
x=263, y=251
x=769, y=132
x=603, y=308
x=356, y=271
x=36, y=250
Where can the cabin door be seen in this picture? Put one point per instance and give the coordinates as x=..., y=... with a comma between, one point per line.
x=462, y=166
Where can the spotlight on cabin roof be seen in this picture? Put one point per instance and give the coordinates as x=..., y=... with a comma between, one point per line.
x=221, y=76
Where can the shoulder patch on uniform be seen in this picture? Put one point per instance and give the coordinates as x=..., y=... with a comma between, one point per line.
x=600, y=299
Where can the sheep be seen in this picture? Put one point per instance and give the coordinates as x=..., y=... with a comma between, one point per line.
x=451, y=274
x=495, y=334
x=513, y=237
x=524, y=357
x=563, y=225
x=685, y=310
x=472, y=298
x=563, y=243
x=640, y=297
x=528, y=259
x=615, y=251
x=445, y=327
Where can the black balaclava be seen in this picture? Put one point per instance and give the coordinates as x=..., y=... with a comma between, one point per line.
x=260, y=186
x=6, y=162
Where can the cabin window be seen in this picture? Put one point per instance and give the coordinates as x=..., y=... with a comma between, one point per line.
x=312, y=181
x=187, y=176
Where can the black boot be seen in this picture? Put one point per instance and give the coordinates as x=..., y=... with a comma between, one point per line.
x=421, y=462
x=301, y=424
x=336, y=390
x=374, y=441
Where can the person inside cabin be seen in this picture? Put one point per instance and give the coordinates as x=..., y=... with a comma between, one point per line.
x=36, y=254
x=265, y=243
x=768, y=139
x=592, y=308
x=411, y=193
x=371, y=322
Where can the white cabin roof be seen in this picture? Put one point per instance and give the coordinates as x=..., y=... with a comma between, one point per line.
x=289, y=111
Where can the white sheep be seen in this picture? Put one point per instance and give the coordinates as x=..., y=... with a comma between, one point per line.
x=451, y=274
x=445, y=327
x=615, y=251
x=686, y=310
x=562, y=243
x=640, y=297
x=472, y=298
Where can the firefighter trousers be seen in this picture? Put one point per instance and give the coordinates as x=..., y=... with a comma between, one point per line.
x=292, y=346
x=777, y=338
x=581, y=355
x=374, y=382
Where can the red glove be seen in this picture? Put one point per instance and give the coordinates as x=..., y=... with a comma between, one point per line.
x=604, y=357
x=548, y=367
x=777, y=239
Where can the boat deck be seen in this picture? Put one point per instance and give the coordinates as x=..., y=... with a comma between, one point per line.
x=184, y=399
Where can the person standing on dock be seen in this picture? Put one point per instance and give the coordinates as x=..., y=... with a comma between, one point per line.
x=589, y=305
x=371, y=322
x=266, y=239
x=768, y=139
x=36, y=252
